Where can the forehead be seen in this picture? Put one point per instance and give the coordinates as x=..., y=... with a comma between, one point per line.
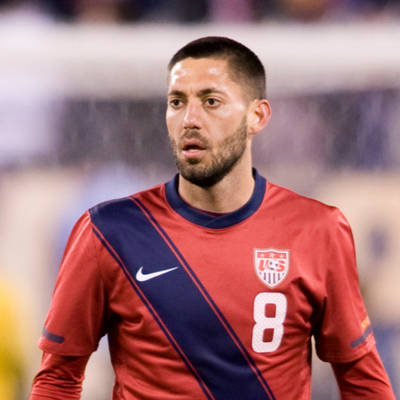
x=201, y=72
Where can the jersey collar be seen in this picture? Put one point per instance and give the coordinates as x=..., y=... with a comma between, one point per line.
x=220, y=221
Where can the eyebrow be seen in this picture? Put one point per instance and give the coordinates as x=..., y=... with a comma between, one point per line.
x=176, y=93
x=201, y=93
x=210, y=91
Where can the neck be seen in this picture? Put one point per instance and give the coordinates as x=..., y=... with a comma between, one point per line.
x=229, y=194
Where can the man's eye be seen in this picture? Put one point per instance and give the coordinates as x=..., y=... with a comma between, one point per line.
x=212, y=102
x=175, y=102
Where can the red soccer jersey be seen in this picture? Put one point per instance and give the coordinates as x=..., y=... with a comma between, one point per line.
x=199, y=306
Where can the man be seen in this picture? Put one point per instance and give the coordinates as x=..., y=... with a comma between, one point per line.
x=211, y=285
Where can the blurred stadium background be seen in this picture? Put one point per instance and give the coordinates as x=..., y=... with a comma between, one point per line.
x=82, y=86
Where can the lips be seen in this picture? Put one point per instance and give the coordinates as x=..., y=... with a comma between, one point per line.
x=193, y=148
x=192, y=145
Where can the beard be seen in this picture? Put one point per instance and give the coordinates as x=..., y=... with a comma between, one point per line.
x=227, y=153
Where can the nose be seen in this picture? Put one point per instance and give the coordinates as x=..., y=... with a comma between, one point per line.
x=192, y=117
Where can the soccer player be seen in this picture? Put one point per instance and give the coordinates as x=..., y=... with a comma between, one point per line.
x=211, y=285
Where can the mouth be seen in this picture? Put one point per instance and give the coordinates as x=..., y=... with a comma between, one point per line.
x=193, y=148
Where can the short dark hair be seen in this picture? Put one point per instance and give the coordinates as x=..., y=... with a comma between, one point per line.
x=244, y=64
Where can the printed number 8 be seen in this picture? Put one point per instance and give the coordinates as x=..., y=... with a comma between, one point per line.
x=275, y=323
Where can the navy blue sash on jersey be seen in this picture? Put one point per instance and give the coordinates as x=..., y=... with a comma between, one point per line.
x=178, y=301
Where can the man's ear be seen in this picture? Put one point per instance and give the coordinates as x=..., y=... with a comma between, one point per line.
x=258, y=116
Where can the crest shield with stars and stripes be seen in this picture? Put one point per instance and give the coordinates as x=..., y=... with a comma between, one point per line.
x=271, y=265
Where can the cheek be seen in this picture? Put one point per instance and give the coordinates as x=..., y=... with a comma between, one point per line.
x=171, y=122
x=230, y=115
x=227, y=126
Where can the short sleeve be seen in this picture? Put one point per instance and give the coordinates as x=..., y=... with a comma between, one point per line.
x=343, y=332
x=74, y=322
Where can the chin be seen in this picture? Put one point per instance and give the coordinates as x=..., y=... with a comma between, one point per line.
x=201, y=177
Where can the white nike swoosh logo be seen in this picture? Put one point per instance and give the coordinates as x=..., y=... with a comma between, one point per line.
x=141, y=277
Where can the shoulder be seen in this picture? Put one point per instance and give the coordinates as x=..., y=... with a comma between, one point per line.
x=285, y=196
x=113, y=214
x=306, y=209
x=114, y=207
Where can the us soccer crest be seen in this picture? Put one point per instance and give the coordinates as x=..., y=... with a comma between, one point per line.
x=271, y=265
